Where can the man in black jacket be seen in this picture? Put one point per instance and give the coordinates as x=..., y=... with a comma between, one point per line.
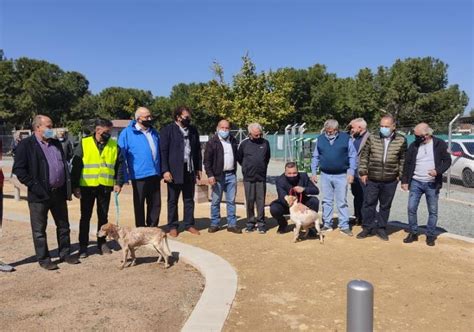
x=40, y=164
x=426, y=160
x=220, y=164
x=297, y=184
x=254, y=155
x=181, y=164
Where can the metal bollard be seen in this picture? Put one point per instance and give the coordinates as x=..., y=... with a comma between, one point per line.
x=360, y=306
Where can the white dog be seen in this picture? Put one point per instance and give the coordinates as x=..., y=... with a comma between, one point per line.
x=303, y=217
x=132, y=238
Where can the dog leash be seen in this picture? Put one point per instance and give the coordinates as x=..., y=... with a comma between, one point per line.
x=117, y=208
x=294, y=193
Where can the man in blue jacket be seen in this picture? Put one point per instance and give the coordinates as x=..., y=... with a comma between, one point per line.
x=140, y=146
x=181, y=165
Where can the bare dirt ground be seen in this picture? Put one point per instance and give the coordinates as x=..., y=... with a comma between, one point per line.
x=94, y=295
x=285, y=286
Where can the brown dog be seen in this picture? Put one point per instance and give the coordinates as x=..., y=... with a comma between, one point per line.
x=132, y=238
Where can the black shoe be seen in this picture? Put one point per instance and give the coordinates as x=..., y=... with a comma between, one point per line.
x=262, y=230
x=381, y=234
x=48, y=265
x=83, y=253
x=365, y=233
x=249, y=229
x=234, y=229
x=281, y=229
x=104, y=249
x=70, y=259
x=213, y=229
x=430, y=241
x=411, y=237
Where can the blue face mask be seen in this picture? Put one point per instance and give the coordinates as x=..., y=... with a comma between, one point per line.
x=222, y=133
x=385, y=132
x=48, y=133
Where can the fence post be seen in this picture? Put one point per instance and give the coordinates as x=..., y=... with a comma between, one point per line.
x=450, y=134
x=360, y=306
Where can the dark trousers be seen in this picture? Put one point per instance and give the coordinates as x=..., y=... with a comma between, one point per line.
x=39, y=220
x=174, y=190
x=147, y=190
x=278, y=209
x=357, y=189
x=89, y=195
x=382, y=193
x=255, y=195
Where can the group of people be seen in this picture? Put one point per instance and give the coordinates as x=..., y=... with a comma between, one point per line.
x=372, y=164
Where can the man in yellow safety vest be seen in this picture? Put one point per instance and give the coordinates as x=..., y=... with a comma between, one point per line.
x=96, y=171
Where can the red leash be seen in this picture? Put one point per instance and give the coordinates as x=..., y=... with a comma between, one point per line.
x=294, y=193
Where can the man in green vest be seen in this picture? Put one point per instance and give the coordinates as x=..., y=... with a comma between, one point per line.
x=96, y=171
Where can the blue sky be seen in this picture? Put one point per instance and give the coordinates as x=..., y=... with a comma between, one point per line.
x=154, y=45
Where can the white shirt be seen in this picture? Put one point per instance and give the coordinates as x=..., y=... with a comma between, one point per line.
x=149, y=138
x=228, y=155
x=424, y=162
x=386, y=142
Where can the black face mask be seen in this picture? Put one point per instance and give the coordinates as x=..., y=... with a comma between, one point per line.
x=257, y=140
x=105, y=136
x=419, y=139
x=293, y=180
x=185, y=122
x=355, y=135
x=147, y=123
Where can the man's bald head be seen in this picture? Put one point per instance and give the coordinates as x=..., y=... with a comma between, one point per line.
x=223, y=125
x=41, y=120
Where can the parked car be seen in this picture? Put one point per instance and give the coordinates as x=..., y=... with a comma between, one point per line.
x=462, y=155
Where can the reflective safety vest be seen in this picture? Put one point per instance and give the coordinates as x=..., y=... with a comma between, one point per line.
x=99, y=168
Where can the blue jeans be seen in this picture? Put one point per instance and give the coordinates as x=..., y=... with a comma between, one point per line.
x=334, y=187
x=227, y=184
x=417, y=189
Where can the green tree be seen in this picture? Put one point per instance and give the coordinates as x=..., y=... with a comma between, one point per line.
x=252, y=97
x=121, y=103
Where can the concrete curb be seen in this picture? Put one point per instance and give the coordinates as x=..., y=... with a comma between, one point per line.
x=212, y=309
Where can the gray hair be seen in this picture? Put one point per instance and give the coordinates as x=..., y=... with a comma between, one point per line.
x=139, y=111
x=360, y=121
x=331, y=124
x=255, y=125
x=37, y=120
x=425, y=129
